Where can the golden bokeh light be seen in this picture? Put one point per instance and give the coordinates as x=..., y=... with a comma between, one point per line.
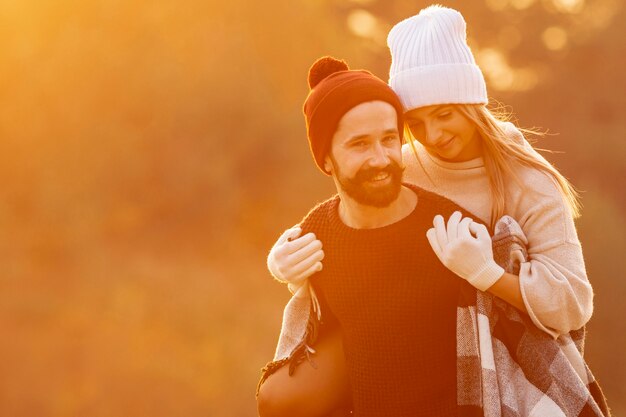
x=599, y=15
x=362, y=23
x=569, y=6
x=554, y=38
x=501, y=76
x=365, y=25
x=362, y=2
x=494, y=65
x=497, y=5
x=522, y=4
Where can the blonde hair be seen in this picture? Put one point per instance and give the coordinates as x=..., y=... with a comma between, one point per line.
x=501, y=152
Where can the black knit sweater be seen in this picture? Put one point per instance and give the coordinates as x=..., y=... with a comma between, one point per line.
x=396, y=305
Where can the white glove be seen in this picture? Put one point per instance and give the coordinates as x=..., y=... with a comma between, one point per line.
x=465, y=249
x=293, y=258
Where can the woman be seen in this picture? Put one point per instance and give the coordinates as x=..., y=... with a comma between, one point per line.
x=467, y=154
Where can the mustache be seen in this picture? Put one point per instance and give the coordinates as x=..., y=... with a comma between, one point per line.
x=394, y=169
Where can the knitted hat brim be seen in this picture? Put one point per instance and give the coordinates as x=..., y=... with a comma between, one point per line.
x=440, y=84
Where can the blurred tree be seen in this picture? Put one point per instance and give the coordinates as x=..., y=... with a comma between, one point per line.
x=151, y=152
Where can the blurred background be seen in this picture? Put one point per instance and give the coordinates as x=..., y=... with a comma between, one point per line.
x=152, y=152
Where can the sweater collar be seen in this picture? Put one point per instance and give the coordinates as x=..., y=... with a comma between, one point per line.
x=472, y=163
x=336, y=220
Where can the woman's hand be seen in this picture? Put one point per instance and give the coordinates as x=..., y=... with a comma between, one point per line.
x=464, y=247
x=294, y=258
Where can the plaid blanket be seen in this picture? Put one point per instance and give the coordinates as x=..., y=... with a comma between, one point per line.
x=506, y=366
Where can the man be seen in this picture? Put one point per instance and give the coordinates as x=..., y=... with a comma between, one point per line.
x=382, y=285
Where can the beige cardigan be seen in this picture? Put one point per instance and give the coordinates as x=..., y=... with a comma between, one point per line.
x=554, y=281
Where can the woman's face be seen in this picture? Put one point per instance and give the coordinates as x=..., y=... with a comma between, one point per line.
x=445, y=132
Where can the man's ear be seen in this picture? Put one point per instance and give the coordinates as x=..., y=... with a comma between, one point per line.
x=328, y=165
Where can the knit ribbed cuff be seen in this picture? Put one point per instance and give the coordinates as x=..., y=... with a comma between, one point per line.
x=440, y=84
x=487, y=276
x=299, y=289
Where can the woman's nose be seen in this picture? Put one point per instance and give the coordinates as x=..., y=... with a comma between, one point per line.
x=432, y=133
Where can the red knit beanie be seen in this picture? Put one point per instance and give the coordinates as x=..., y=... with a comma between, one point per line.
x=335, y=89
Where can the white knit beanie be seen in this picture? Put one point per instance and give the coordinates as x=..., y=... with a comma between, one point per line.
x=431, y=62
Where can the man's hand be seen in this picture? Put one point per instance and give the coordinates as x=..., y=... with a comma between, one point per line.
x=464, y=247
x=294, y=258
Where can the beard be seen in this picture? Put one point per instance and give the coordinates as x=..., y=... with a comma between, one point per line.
x=359, y=189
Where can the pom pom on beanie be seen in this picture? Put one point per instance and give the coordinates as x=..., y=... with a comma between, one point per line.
x=324, y=67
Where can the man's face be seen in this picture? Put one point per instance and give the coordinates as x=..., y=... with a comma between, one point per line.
x=365, y=157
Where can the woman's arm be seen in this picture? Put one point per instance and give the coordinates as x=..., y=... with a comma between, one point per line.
x=508, y=289
x=554, y=284
x=558, y=299
x=294, y=258
x=465, y=248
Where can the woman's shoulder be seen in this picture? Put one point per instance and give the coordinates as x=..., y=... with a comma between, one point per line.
x=513, y=133
x=535, y=181
x=529, y=175
x=539, y=200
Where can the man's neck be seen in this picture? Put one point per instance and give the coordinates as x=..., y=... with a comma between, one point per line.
x=359, y=216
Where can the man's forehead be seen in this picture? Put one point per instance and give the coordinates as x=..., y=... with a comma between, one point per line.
x=369, y=117
x=371, y=107
x=391, y=131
